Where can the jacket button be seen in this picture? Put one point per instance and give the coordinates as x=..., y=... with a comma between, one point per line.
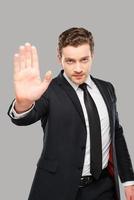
x=79, y=168
x=83, y=147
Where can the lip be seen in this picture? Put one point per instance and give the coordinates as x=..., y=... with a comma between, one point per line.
x=78, y=76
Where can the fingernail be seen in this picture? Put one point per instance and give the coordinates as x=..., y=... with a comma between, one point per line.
x=22, y=47
x=49, y=72
x=33, y=47
x=16, y=55
x=27, y=44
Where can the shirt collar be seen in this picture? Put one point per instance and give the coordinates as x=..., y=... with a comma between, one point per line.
x=88, y=81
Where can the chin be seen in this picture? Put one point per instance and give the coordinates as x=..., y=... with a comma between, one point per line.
x=78, y=82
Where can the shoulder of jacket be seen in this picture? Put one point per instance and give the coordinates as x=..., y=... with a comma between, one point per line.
x=108, y=85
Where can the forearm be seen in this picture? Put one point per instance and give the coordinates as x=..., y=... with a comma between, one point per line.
x=15, y=115
x=35, y=113
x=123, y=158
x=21, y=107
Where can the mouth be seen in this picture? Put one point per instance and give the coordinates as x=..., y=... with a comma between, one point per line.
x=78, y=76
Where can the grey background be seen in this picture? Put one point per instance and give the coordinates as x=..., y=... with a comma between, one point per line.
x=40, y=22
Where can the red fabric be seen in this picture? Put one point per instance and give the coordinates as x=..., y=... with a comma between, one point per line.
x=111, y=167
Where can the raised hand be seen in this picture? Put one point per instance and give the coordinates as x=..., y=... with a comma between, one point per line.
x=27, y=82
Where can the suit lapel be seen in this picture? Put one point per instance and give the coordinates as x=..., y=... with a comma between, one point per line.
x=72, y=95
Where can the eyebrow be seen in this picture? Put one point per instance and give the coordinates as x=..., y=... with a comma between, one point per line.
x=68, y=58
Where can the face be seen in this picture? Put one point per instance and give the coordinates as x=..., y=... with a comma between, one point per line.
x=76, y=62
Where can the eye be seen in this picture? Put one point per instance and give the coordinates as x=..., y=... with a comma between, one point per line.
x=84, y=60
x=69, y=61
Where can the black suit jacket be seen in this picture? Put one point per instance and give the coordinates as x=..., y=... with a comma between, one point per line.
x=60, y=165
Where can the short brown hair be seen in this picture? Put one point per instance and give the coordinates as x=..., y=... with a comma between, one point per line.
x=74, y=37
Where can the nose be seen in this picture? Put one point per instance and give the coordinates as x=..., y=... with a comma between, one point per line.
x=77, y=68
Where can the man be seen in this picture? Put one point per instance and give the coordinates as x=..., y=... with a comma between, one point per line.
x=84, y=147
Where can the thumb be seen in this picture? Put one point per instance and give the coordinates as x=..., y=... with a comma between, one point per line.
x=46, y=81
x=48, y=76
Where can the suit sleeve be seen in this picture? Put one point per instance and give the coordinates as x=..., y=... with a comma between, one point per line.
x=39, y=111
x=124, y=163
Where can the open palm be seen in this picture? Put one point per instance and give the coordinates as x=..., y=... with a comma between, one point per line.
x=27, y=82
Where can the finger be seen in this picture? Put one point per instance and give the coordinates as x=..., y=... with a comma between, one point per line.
x=22, y=57
x=35, y=62
x=28, y=52
x=16, y=63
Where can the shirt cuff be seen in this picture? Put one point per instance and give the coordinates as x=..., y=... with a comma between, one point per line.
x=127, y=183
x=16, y=115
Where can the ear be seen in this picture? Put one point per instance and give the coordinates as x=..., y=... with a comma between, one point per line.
x=92, y=56
x=58, y=56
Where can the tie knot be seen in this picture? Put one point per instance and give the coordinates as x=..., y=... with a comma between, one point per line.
x=83, y=86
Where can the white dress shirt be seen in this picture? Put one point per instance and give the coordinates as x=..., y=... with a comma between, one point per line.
x=104, y=121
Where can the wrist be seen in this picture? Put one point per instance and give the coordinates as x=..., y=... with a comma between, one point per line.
x=21, y=107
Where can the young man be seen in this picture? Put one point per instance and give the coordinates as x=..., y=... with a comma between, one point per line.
x=84, y=147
